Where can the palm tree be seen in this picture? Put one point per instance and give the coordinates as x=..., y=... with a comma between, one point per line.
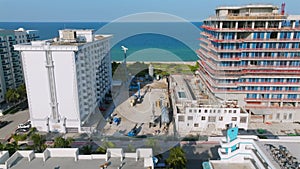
x=11, y=147
x=12, y=96
x=38, y=142
x=60, y=142
x=177, y=159
x=21, y=90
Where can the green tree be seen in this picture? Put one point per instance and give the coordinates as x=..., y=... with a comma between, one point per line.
x=177, y=159
x=2, y=146
x=11, y=147
x=152, y=143
x=12, y=96
x=60, y=142
x=194, y=68
x=38, y=142
x=86, y=150
x=21, y=90
x=19, y=137
x=105, y=145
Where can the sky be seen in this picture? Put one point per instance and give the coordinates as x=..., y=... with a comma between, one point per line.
x=109, y=10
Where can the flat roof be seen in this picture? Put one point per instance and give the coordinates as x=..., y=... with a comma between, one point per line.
x=69, y=163
x=231, y=165
x=293, y=146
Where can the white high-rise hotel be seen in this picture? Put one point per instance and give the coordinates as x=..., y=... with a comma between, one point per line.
x=66, y=78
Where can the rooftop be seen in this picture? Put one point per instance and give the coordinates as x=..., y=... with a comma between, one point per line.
x=248, y=6
x=69, y=163
x=232, y=165
x=68, y=158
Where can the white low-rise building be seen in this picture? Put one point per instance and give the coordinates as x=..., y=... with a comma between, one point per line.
x=70, y=158
x=195, y=112
x=66, y=79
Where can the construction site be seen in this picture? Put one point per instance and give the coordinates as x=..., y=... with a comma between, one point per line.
x=142, y=109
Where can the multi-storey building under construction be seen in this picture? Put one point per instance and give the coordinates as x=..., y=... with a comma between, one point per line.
x=252, y=54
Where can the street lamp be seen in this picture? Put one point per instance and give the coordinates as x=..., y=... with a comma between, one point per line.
x=125, y=57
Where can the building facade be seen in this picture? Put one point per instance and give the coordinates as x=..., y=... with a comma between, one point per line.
x=251, y=54
x=66, y=79
x=195, y=113
x=11, y=74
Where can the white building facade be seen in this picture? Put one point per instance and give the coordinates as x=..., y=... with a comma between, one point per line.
x=66, y=79
x=197, y=119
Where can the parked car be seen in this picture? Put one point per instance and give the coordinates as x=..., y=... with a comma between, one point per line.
x=3, y=123
x=25, y=125
x=22, y=130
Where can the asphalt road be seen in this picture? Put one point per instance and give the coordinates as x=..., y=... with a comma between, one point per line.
x=13, y=121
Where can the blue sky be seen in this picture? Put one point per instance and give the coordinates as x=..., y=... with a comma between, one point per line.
x=108, y=10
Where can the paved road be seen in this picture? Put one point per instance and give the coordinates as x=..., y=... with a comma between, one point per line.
x=14, y=120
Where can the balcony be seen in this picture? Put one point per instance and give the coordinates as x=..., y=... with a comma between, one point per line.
x=270, y=49
x=271, y=58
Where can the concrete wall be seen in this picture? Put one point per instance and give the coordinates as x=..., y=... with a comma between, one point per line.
x=4, y=155
x=63, y=152
x=12, y=159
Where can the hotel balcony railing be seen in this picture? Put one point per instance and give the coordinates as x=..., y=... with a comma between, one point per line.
x=270, y=83
x=210, y=28
x=272, y=99
x=270, y=107
x=258, y=71
x=270, y=58
x=246, y=71
x=270, y=49
x=215, y=84
x=258, y=17
x=238, y=67
x=205, y=54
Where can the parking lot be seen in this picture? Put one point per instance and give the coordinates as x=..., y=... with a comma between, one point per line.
x=13, y=121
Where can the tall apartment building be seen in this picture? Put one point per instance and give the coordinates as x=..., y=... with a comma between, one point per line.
x=11, y=74
x=66, y=78
x=251, y=54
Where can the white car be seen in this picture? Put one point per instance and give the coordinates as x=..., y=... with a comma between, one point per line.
x=25, y=125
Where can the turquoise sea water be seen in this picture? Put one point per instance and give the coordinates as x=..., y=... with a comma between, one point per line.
x=170, y=41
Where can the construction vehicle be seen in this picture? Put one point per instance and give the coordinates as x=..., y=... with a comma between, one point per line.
x=133, y=131
x=136, y=98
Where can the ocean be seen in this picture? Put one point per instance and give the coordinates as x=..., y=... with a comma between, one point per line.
x=164, y=41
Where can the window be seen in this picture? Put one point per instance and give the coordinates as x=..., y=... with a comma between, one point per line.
x=211, y=119
x=203, y=118
x=221, y=118
x=284, y=116
x=190, y=117
x=234, y=111
x=219, y=111
x=277, y=116
x=205, y=111
x=243, y=120
x=234, y=119
x=196, y=125
x=290, y=116
x=190, y=110
x=181, y=118
x=199, y=111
